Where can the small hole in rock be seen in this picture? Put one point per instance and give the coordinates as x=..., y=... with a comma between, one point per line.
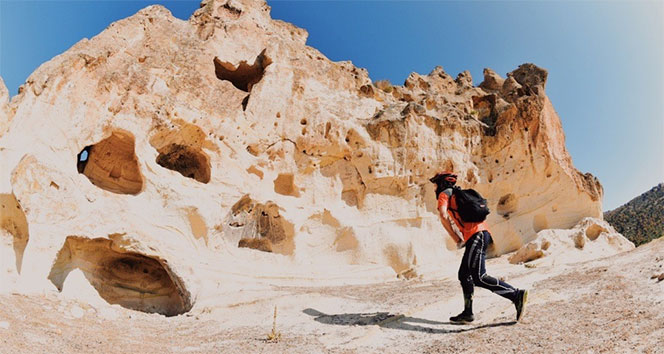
x=245, y=102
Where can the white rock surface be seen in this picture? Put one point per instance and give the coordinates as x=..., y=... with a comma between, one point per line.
x=590, y=239
x=227, y=130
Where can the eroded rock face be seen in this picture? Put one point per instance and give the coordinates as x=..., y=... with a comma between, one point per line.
x=120, y=276
x=260, y=226
x=588, y=239
x=13, y=228
x=227, y=131
x=111, y=164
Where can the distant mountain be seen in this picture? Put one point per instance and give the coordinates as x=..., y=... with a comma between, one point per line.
x=642, y=219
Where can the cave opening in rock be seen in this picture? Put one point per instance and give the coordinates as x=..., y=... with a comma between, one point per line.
x=129, y=279
x=82, y=159
x=243, y=76
x=593, y=231
x=112, y=165
x=187, y=160
x=507, y=205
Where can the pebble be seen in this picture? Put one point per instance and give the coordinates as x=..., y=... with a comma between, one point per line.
x=4, y=325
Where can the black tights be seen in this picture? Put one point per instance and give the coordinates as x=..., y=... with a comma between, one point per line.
x=473, y=272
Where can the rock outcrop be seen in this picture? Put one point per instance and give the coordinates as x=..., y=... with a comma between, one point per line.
x=590, y=238
x=165, y=146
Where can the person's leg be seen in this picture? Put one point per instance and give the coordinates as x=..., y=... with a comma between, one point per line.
x=466, y=280
x=478, y=270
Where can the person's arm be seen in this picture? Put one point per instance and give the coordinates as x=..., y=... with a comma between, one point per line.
x=443, y=199
x=448, y=226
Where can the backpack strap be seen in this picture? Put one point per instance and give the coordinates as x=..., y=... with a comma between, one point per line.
x=455, y=212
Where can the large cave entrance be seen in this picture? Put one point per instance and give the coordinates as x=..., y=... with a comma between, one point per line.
x=130, y=279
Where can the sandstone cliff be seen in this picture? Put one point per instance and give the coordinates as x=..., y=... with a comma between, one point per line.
x=162, y=150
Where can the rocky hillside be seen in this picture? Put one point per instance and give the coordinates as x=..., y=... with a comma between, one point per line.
x=641, y=220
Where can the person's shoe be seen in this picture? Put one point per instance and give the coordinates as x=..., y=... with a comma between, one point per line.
x=520, y=303
x=463, y=317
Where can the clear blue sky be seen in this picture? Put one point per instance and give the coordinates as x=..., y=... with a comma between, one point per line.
x=605, y=59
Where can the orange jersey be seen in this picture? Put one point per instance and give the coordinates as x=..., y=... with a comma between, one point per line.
x=467, y=229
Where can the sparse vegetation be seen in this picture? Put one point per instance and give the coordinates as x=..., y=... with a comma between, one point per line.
x=385, y=86
x=641, y=220
x=274, y=336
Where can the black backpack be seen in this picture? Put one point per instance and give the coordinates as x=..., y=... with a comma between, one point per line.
x=471, y=206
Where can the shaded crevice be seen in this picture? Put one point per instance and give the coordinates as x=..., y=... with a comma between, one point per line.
x=243, y=76
x=353, y=187
x=507, y=204
x=13, y=220
x=181, y=150
x=485, y=109
x=129, y=279
x=112, y=165
x=189, y=161
x=261, y=226
x=232, y=11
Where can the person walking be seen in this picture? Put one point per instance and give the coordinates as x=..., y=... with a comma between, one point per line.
x=474, y=235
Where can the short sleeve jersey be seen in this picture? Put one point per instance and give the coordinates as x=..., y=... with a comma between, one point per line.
x=447, y=201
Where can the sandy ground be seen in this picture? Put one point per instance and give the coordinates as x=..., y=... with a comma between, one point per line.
x=607, y=305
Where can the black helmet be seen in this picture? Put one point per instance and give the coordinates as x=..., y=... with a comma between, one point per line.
x=445, y=178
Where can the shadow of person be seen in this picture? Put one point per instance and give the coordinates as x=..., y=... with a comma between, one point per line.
x=394, y=321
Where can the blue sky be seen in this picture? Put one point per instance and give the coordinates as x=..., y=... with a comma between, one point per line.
x=605, y=59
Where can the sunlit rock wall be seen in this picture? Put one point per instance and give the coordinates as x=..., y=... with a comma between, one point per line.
x=160, y=145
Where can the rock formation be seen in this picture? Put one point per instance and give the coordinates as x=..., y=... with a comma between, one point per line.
x=162, y=146
x=590, y=238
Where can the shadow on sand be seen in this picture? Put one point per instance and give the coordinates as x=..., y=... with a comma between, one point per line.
x=396, y=321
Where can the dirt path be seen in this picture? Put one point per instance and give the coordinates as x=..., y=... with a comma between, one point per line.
x=607, y=305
